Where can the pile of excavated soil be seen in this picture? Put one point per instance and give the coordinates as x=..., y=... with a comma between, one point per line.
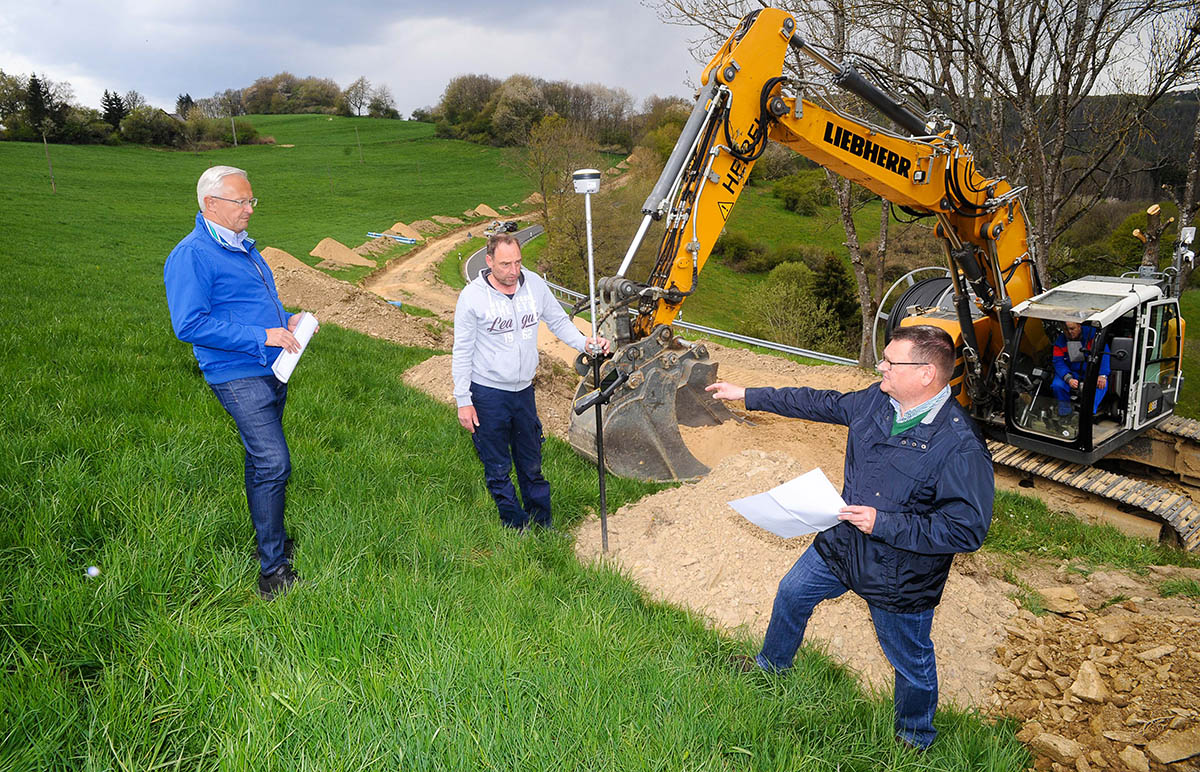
x=336, y=252
x=433, y=377
x=374, y=247
x=446, y=220
x=426, y=227
x=337, y=302
x=483, y=210
x=400, y=229
x=533, y=198
x=687, y=546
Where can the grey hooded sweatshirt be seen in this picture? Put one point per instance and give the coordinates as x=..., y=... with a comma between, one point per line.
x=495, y=336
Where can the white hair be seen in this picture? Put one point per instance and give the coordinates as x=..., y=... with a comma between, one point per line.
x=213, y=180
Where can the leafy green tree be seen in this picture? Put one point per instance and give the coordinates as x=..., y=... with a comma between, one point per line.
x=12, y=96
x=465, y=98
x=517, y=106
x=382, y=104
x=787, y=310
x=151, y=126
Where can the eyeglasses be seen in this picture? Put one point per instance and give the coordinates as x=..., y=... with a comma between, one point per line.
x=890, y=364
x=241, y=202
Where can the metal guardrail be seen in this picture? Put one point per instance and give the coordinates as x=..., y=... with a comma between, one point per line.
x=563, y=292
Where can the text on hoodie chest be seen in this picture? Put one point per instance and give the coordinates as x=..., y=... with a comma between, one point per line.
x=507, y=316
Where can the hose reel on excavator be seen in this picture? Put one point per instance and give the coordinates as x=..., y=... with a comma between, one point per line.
x=926, y=287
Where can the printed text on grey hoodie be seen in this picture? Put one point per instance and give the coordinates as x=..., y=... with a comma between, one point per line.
x=495, y=337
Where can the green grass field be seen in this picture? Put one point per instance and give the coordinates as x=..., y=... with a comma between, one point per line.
x=424, y=637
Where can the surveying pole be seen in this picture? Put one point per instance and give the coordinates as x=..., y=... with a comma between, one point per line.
x=587, y=182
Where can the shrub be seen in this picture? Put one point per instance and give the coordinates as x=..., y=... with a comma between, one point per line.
x=804, y=192
x=786, y=311
x=739, y=252
x=811, y=256
x=151, y=126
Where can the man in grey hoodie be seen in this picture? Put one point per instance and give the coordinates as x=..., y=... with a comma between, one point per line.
x=495, y=358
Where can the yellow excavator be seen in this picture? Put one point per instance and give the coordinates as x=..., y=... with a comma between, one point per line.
x=1014, y=336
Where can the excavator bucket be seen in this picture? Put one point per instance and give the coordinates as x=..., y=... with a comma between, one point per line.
x=665, y=388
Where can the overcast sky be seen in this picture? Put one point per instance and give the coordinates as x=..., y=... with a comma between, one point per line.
x=163, y=48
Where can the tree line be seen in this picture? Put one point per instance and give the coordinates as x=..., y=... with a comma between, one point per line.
x=481, y=108
x=36, y=108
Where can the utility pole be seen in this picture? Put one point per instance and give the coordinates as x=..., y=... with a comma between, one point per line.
x=45, y=144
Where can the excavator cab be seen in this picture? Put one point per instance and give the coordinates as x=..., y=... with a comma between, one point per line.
x=1095, y=361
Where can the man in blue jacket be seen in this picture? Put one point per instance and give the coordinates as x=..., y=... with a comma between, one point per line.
x=223, y=301
x=1072, y=349
x=919, y=486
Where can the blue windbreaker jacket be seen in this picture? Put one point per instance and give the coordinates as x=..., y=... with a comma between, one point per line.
x=932, y=486
x=222, y=301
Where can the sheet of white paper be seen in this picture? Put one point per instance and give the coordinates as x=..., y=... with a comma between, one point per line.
x=765, y=512
x=806, y=504
x=812, y=498
x=285, y=363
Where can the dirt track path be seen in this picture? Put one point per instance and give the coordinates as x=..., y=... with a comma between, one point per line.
x=414, y=278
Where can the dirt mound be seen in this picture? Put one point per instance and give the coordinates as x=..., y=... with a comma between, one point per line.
x=434, y=378
x=533, y=198
x=686, y=546
x=400, y=229
x=374, y=247
x=483, y=210
x=444, y=220
x=337, y=302
x=426, y=227
x=336, y=252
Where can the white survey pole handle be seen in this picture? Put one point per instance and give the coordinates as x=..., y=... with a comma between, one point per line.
x=587, y=182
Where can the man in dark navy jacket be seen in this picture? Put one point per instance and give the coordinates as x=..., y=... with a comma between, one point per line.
x=919, y=488
x=223, y=301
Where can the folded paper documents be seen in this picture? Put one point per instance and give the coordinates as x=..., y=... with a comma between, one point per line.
x=806, y=504
x=286, y=361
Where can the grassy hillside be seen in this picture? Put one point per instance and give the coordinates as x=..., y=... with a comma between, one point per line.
x=425, y=637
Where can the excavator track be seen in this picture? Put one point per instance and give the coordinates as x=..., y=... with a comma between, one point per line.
x=1178, y=426
x=1175, y=509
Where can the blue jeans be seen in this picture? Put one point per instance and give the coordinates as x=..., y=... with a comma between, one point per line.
x=904, y=639
x=509, y=432
x=256, y=405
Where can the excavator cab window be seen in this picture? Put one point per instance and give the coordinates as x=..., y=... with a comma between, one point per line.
x=1159, y=361
x=1060, y=379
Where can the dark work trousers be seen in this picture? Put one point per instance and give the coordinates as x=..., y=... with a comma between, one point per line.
x=509, y=432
